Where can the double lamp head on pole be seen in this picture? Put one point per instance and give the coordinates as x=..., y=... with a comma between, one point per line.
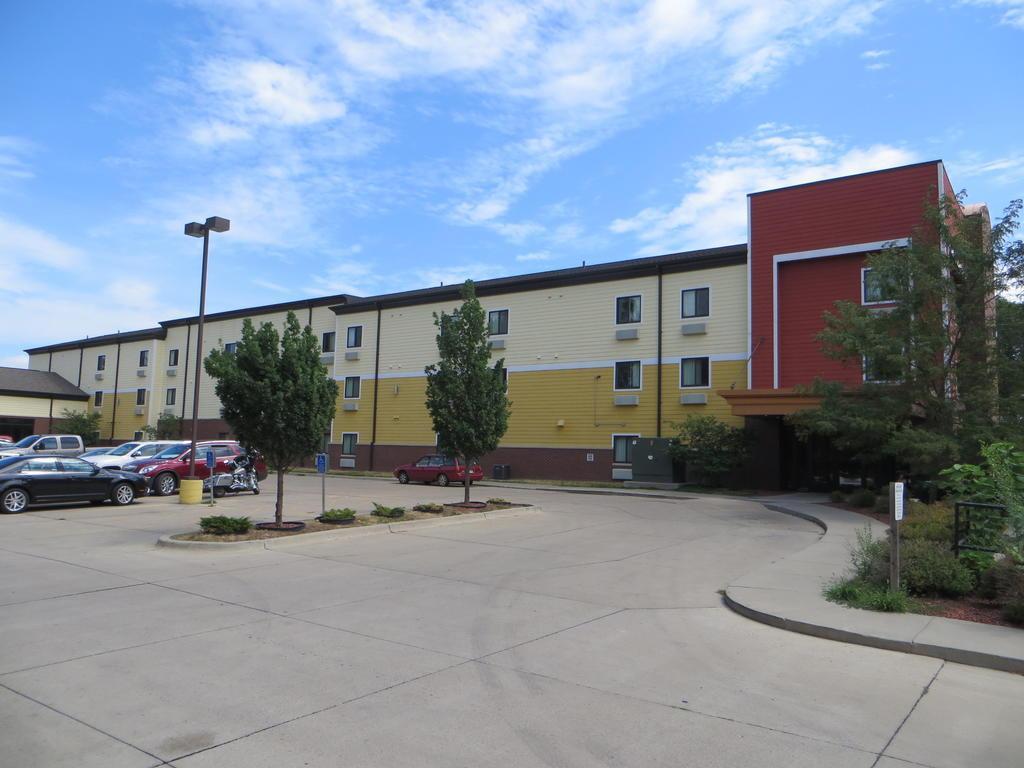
x=195, y=229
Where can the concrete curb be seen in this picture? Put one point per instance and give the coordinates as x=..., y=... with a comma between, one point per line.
x=806, y=611
x=345, y=533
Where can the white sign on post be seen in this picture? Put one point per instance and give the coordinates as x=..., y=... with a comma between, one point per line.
x=897, y=506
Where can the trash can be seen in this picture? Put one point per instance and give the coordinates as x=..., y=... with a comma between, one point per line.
x=501, y=472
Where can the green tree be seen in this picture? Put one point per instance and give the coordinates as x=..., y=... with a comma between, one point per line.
x=168, y=426
x=275, y=394
x=710, y=447
x=1010, y=346
x=85, y=425
x=930, y=355
x=465, y=393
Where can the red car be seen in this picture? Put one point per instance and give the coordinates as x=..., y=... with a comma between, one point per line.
x=437, y=468
x=165, y=470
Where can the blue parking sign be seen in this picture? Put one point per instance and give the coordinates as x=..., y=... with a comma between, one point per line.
x=321, y=463
x=210, y=460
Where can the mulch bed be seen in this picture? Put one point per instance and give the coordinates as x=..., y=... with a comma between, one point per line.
x=881, y=517
x=965, y=609
x=315, y=526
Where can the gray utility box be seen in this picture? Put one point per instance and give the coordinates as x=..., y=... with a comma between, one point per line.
x=652, y=462
x=501, y=472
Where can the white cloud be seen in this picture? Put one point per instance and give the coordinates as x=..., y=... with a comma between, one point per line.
x=13, y=151
x=1006, y=169
x=1013, y=10
x=713, y=212
x=875, y=54
x=535, y=256
x=456, y=275
x=876, y=59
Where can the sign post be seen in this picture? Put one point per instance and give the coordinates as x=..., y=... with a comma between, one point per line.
x=211, y=465
x=321, y=468
x=895, y=515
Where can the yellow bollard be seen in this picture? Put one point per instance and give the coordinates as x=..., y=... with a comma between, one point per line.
x=190, y=492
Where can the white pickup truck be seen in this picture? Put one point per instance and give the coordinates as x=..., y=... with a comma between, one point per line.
x=45, y=445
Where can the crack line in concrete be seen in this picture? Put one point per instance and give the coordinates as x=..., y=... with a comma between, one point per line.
x=903, y=722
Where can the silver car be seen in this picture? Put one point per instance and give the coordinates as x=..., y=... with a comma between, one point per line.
x=45, y=445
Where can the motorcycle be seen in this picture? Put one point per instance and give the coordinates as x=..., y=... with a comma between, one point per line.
x=242, y=477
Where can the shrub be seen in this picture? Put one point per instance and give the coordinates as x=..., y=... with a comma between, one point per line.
x=219, y=525
x=338, y=514
x=837, y=497
x=863, y=497
x=499, y=502
x=1014, y=612
x=882, y=504
x=381, y=511
x=870, y=558
x=429, y=507
x=1004, y=582
x=927, y=522
x=928, y=568
x=709, y=447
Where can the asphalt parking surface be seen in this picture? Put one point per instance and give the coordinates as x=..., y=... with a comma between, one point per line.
x=590, y=634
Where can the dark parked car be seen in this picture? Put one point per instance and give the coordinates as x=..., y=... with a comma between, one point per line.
x=165, y=470
x=26, y=480
x=439, y=469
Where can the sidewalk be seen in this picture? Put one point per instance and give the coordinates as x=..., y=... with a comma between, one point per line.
x=788, y=594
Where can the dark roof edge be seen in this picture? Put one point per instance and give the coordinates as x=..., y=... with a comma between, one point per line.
x=95, y=341
x=45, y=395
x=284, y=306
x=685, y=261
x=843, y=178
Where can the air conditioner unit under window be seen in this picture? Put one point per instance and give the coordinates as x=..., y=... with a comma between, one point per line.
x=139, y=410
x=172, y=371
x=99, y=377
x=141, y=373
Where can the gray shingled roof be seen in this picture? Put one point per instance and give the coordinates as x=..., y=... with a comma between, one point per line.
x=27, y=383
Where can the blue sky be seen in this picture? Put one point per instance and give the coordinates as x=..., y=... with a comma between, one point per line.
x=368, y=146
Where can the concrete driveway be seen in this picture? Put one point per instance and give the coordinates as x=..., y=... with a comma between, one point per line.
x=591, y=634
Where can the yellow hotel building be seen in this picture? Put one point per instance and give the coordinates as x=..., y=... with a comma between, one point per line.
x=595, y=355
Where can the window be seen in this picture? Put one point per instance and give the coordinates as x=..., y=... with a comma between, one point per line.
x=694, y=372
x=143, y=358
x=627, y=375
x=880, y=371
x=48, y=464
x=696, y=302
x=98, y=399
x=872, y=289
x=231, y=347
x=101, y=362
x=172, y=358
x=47, y=444
x=76, y=465
x=327, y=342
x=497, y=322
x=354, y=336
x=351, y=387
x=138, y=435
x=140, y=397
x=622, y=448
x=348, y=443
x=627, y=309
x=69, y=442
x=172, y=396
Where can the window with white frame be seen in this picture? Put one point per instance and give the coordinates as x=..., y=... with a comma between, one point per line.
x=140, y=396
x=627, y=309
x=143, y=358
x=231, y=347
x=696, y=302
x=101, y=362
x=354, y=336
x=348, y=443
x=497, y=322
x=622, y=448
x=694, y=372
x=172, y=358
x=628, y=374
x=172, y=396
x=351, y=387
x=97, y=399
x=872, y=289
x=327, y=342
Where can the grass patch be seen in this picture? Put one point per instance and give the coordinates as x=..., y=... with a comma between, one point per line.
x=338, y=514
x=857, y=594
x=381, y=510
x=429, y=506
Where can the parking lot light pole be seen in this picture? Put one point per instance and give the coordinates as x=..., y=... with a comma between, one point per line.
x=195, y=229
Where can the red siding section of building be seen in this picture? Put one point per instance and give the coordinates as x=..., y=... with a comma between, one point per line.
x=807, y=290
x=873, y=207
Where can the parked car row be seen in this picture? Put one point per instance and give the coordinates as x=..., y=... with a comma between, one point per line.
x=45, y=469
x=435, y=468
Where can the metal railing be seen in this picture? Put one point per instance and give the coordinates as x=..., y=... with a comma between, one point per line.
x=962, y=525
